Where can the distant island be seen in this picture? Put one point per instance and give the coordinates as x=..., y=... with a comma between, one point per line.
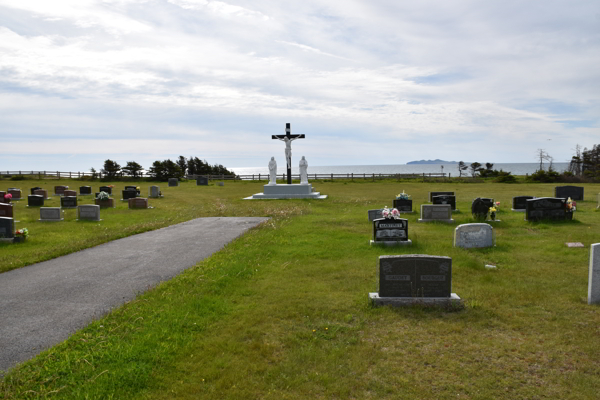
x=437, y=161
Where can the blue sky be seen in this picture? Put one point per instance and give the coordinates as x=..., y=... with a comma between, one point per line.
x=378, y=82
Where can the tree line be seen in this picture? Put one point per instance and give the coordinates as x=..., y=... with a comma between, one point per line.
x=163, y=170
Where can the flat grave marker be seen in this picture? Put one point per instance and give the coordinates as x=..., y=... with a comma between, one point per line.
x=574, y=192
x=436, y=212
x=574, y=244
x=476, y=235
x=50, y=214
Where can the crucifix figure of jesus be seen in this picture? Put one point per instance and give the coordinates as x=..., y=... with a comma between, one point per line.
x=288, y=138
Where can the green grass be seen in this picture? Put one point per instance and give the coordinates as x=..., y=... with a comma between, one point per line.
x=282, y=312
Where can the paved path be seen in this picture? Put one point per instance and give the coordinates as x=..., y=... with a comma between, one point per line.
x=42, y=304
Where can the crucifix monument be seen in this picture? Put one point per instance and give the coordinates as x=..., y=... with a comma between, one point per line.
x=288, y=138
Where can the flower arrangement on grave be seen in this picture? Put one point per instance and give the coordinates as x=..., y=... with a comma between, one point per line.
x=571, y=205
x=390, y=214
x=137, y=188
x=7, y=197
x=403, y=196
x=103, y=196
x=22, y=232
x=492, y=210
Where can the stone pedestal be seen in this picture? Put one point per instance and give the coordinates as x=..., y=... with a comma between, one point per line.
x=294, y=191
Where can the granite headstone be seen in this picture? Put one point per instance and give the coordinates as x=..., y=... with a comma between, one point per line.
x=35, y=200
x=547, y=208
x=201, y=181
x=173, y=182
x=6, y=210
x=520, y=203
x=7, y=228
x=68, y=201
x=88, y=212
x=476, y=235
x=594, y=275
x=431, y=194
x=574, y=192
x=50, y=214
x=445, y=199
x=436, y=212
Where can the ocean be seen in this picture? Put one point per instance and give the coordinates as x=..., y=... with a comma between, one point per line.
x=514, y=168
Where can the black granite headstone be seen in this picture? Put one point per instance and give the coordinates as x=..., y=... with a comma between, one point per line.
x=129, y=194
x=106, y=189
x=35, y=200
x=7, y=227
x=520, y=202
x=415, y=275
x=33, y=189
x=133, y=188
x=85, y=190
x=68, y=202
x=480, y=207
x=445, y=199
x=404, y=205
x=390, y=230
x=201, y=181
x=547, y=208
x=574, y=192
x=431, y=194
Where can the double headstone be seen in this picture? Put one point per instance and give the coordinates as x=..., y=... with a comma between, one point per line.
x=390, y=231
x=201, y=181
x=414, y=278
x=138, y=202
x=173, y=182
x=50, y=214
x=477, y=235
x=35, y=200
x=520, y=203
x=436, y=212
x=6, y=210
x=445, y=199
x=574, y=192
x=431, y=194
x=68, y=201
x=7, y=228
x=594, y=275
x=85, y=190
x=88, y=212
x=154, y=192
x=547, y=208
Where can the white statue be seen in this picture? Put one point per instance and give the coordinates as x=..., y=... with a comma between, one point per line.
x=272, y=171
x=288, y=150
x=303, y=171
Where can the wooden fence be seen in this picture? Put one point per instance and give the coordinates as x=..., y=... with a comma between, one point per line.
x=259, y=177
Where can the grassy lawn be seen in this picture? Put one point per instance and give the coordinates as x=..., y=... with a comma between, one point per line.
x=283, y=312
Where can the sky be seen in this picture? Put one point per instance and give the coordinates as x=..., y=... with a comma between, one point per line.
x=368, y=82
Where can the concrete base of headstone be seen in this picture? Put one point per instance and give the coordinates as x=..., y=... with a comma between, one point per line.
x=518, y=209
x=294, y=191
x=392, y=243
x=453, y=300
x=449, y=221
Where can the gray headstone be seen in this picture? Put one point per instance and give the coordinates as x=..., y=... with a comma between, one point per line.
x=89, y=212
x=574, y=192
x=431, y=194
x=201, y=181
x=173, y=182
x=594, y=277
x=374, y=214
x=436, y=212
x=415, y=275
x=477, y=235
x=547, y=208
x=7, y=227
x=68, y=202
x=50, y=214
x=153, y=192
x=221, y=183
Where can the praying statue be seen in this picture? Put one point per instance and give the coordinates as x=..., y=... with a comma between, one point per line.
x=303, y=171
x=272, y=171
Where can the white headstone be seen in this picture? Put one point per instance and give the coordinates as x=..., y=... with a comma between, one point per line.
x=153, y=191
x=88, y=211
x=477, y=235
x=594, y=278
x=51, y=214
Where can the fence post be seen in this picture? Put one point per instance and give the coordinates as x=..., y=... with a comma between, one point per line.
x=58, y=174
x=373, y=177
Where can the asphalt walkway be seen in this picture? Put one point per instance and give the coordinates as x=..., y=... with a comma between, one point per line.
x=42, y=304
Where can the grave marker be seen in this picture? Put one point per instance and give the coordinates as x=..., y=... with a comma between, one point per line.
x=42, y=192
x=106, y=189
x=390, y=231
x=374, y=214
x=16, y=193
x=33, y=189
x=6, y=210
x=436, y=212
x=133, y=188
x=520, y=203
x=35, y=200
x=85, y=190
x=60, y=190
x=70, y=193
x=403, y=205
x=154, y=192
x=68, y=201
x=547, y=208
x=445, y=199
x=138, y=202
x=414, y=278
x=50, y=214
x=477, y=235
x=594, y=275
x=481, y=206
x=201, y=181
x=173, y=182
x=7, y=228
x=574, y=192
x=129, y=194
x=88, y=212
x=431, y=194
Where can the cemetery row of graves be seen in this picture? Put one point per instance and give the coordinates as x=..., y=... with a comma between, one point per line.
x=304, y=310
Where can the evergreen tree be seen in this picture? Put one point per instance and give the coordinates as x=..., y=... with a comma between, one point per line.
x=111, y=169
